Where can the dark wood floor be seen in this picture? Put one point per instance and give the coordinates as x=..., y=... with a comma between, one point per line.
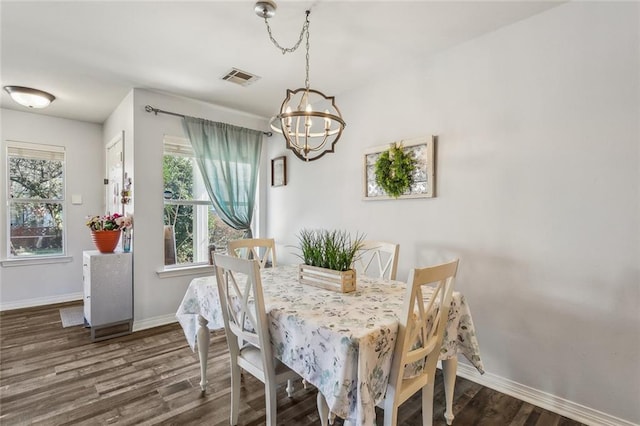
x=55, y=376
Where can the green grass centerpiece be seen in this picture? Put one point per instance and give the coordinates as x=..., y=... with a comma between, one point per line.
x=329, y=249
x=328, y=257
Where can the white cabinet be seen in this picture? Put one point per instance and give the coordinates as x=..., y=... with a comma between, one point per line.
x=108, y=293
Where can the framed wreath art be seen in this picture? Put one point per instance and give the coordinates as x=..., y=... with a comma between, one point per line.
x=394, y=170
x=402, y=169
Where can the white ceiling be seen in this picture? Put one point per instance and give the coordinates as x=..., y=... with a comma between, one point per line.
x=90, y=54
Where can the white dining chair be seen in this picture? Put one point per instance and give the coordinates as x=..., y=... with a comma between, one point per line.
x=420, y=334
x=245, y=320
x=262, y=249
x=378, y=259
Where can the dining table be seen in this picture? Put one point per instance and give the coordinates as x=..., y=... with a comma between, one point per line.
x=341, y=343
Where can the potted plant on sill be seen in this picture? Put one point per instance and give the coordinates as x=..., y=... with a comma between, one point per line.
x=328, y=257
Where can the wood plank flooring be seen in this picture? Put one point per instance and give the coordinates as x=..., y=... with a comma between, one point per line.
x=51, y=375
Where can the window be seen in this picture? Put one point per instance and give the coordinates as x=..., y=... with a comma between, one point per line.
x=190, y=221
x=35, y=200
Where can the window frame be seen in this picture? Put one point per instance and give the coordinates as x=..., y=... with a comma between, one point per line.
x=52, y=151
x=181, y=147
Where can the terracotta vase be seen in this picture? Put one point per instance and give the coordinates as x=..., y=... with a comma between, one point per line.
x=106, y=241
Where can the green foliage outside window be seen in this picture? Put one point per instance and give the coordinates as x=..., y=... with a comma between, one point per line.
x=179, y=177
x=36, y=191
x=177, y=173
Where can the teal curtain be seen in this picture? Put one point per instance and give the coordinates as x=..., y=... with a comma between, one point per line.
x=229, y=159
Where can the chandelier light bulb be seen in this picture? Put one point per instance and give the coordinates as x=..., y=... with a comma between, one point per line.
x=288, y=120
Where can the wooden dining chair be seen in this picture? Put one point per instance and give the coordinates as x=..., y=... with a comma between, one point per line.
x=245, y=320
x=262, y=249
x=420, y=335
x=378, y=259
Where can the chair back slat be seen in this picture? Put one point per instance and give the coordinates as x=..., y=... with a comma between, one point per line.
x=378, y=259
x=242, y=300
x=261, y=249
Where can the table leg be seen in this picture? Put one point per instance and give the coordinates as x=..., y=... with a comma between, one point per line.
x=203, y=351
x=449, y=371
x=323, y=409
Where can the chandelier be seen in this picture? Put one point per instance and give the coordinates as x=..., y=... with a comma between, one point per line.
x=310, y=122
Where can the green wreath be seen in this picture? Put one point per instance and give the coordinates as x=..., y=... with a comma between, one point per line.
x=394, y=170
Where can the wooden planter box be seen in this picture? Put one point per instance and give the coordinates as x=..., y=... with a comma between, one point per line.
x=328, y=279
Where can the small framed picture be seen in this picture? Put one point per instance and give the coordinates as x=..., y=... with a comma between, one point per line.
x=279, y=171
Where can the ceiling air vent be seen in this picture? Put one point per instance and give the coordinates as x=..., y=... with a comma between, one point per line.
x=240, y=77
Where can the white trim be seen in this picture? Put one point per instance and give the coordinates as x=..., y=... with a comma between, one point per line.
x=34, y=146
x=154, y=322
x=176, y=145
x=30, y=261
x=541, y=399
x=29, y=146
x=114, y=140
x=40, y=301
x=204, y=269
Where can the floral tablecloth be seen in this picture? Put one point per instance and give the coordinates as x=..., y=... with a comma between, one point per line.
x=341, y=343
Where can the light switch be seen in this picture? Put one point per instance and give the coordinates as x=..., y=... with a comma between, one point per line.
x=76, y=199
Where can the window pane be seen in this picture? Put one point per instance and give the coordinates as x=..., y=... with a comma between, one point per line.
x=35, y=179
x=220, y=233
x=191, y=223
x=178, y=177
x=192, y=246
x=180, y=220
x=36, y=229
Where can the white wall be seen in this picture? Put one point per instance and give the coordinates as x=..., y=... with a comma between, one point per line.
x=538, y=194
x=156, y=299
x=32, y=285
x=120, y=122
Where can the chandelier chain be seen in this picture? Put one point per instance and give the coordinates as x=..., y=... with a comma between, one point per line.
x=305, y=29
x=306, y=80
x=309, y=132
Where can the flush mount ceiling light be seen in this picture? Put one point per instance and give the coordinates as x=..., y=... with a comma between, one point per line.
x=310, y=122
x=32, y=98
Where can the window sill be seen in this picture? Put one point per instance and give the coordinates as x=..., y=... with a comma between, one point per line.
x=35, y=261
x=186, y=270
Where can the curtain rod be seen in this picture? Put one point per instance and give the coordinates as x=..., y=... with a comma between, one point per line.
x=149, y=108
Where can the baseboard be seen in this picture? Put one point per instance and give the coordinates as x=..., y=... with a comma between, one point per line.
x=541, y=399
x=139, y=325
x=73, y=297
x=40, y=301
